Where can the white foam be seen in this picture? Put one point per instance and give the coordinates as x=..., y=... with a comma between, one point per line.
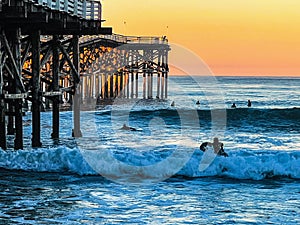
x=255, y=166
x=243, y=164
x=61, y=159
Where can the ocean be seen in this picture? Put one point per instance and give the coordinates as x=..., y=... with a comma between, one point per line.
x=156, y=174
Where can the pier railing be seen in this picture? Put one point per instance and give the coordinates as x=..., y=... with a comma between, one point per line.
x=86, y=9
x=127, y=39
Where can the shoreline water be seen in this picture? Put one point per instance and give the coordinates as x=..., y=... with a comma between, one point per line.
x=257, y=184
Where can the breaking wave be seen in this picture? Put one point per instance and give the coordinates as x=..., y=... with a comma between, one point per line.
x=241, y=164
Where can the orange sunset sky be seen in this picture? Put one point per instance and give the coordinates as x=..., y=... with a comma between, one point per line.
x=234, y=37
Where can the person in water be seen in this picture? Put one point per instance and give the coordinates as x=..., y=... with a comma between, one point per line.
x=198, y=102
x=125, y=127
x=249, y=103
x=233, y=106
x=217, y=146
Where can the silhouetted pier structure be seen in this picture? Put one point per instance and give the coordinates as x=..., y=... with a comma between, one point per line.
x=118, y=64
x=55, y=51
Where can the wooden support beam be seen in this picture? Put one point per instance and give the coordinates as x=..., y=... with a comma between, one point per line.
x=19, y=82
x=166, y=74
x=158, y=75
x=132, y=84
x=63, y=60
x=46, y=56
x=162, y=81
x=123, y=83
x=2, y=123
x=76, y=104
x=106, y=86
x=36, y=98
x=10, y=121
x=100, y=85
x=55, y=86
x=27, y=72
x=93, y=84
x=127, y=84
x=18, y=142
x=150, y=65
x=136, y=85
x=101, y=88
x=148, y=84
x=111, y=86
x=2, y=105
x=126, y=62
x=87, y=87
x=75, y=73
x=144, y=80
x=117, y=86
x=8, y=70
x=82, y=87
x=25, y=53
x=151, y=84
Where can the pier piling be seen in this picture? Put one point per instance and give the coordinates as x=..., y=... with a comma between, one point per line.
x=36, y=100
x=2, y=103
x=55, y=88
x=76, y=99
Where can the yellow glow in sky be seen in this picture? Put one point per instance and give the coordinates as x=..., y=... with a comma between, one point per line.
x=234, y=37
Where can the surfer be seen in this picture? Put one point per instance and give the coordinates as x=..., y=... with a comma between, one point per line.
x=249, y=103
x=233, y=106
x=125, y=127
x=198, y=102
x=217, y=146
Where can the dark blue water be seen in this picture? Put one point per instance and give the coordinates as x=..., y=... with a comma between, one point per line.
x=157, y=174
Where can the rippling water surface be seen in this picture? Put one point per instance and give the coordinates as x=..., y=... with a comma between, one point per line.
x=258, y=183
x=69, y=199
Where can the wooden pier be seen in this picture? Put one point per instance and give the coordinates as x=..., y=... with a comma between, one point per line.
x=56, y=51
x=119, y=64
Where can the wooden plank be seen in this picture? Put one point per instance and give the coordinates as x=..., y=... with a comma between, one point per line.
x=16, y=96
x=52, y=93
